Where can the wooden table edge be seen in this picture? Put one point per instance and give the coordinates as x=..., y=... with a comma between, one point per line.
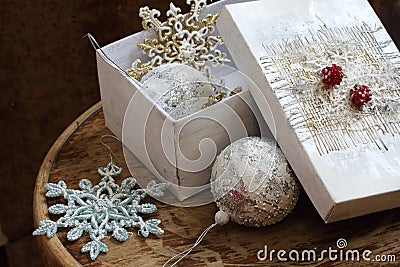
x=53, y=251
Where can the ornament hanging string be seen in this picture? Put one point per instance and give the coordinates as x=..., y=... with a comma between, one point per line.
x=96, y=46
x=187, y=251
x=110, y=151
x=221, y=218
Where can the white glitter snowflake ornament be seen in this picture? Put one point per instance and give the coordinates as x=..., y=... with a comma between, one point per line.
x=183, y=38
x=102, y=209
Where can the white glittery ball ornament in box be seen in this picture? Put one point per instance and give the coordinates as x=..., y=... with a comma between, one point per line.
x=159, y=80
x=252, y=182
x=178, y=89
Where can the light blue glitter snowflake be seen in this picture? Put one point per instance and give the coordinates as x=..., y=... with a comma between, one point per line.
x=102, y=209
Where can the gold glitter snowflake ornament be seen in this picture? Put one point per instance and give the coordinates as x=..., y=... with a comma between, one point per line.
x=183, y=38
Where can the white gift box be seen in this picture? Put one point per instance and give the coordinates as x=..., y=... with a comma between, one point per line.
x=179, y=151
x=344, y=174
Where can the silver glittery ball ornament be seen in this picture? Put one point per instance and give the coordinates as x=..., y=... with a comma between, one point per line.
x=161, y=79
x=252, y=182
x=178, y=89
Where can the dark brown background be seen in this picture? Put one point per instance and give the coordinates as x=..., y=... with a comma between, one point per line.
x=48, y=77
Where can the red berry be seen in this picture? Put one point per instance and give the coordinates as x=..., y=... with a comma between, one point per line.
x=360, y=95
x=237, y=195
x=332, y=76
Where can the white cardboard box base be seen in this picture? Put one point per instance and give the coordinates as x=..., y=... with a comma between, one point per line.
x=178, y=151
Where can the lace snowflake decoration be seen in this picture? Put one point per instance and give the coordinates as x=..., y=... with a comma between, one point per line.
x=183, y=38
x=102, y=209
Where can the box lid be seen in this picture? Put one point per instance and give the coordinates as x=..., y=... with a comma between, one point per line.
x=347, y=166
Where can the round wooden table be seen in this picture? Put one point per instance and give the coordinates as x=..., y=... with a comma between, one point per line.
x=78, y=153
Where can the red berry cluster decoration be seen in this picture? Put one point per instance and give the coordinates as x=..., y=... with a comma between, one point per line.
x=332, y=76
x=360, y=95
x=237, y=193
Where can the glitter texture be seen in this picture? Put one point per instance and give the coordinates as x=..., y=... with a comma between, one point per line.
x=159, y=80
x=252, y=181
x=179, y=89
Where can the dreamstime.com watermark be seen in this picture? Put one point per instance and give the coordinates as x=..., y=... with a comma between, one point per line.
x=338, y=253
